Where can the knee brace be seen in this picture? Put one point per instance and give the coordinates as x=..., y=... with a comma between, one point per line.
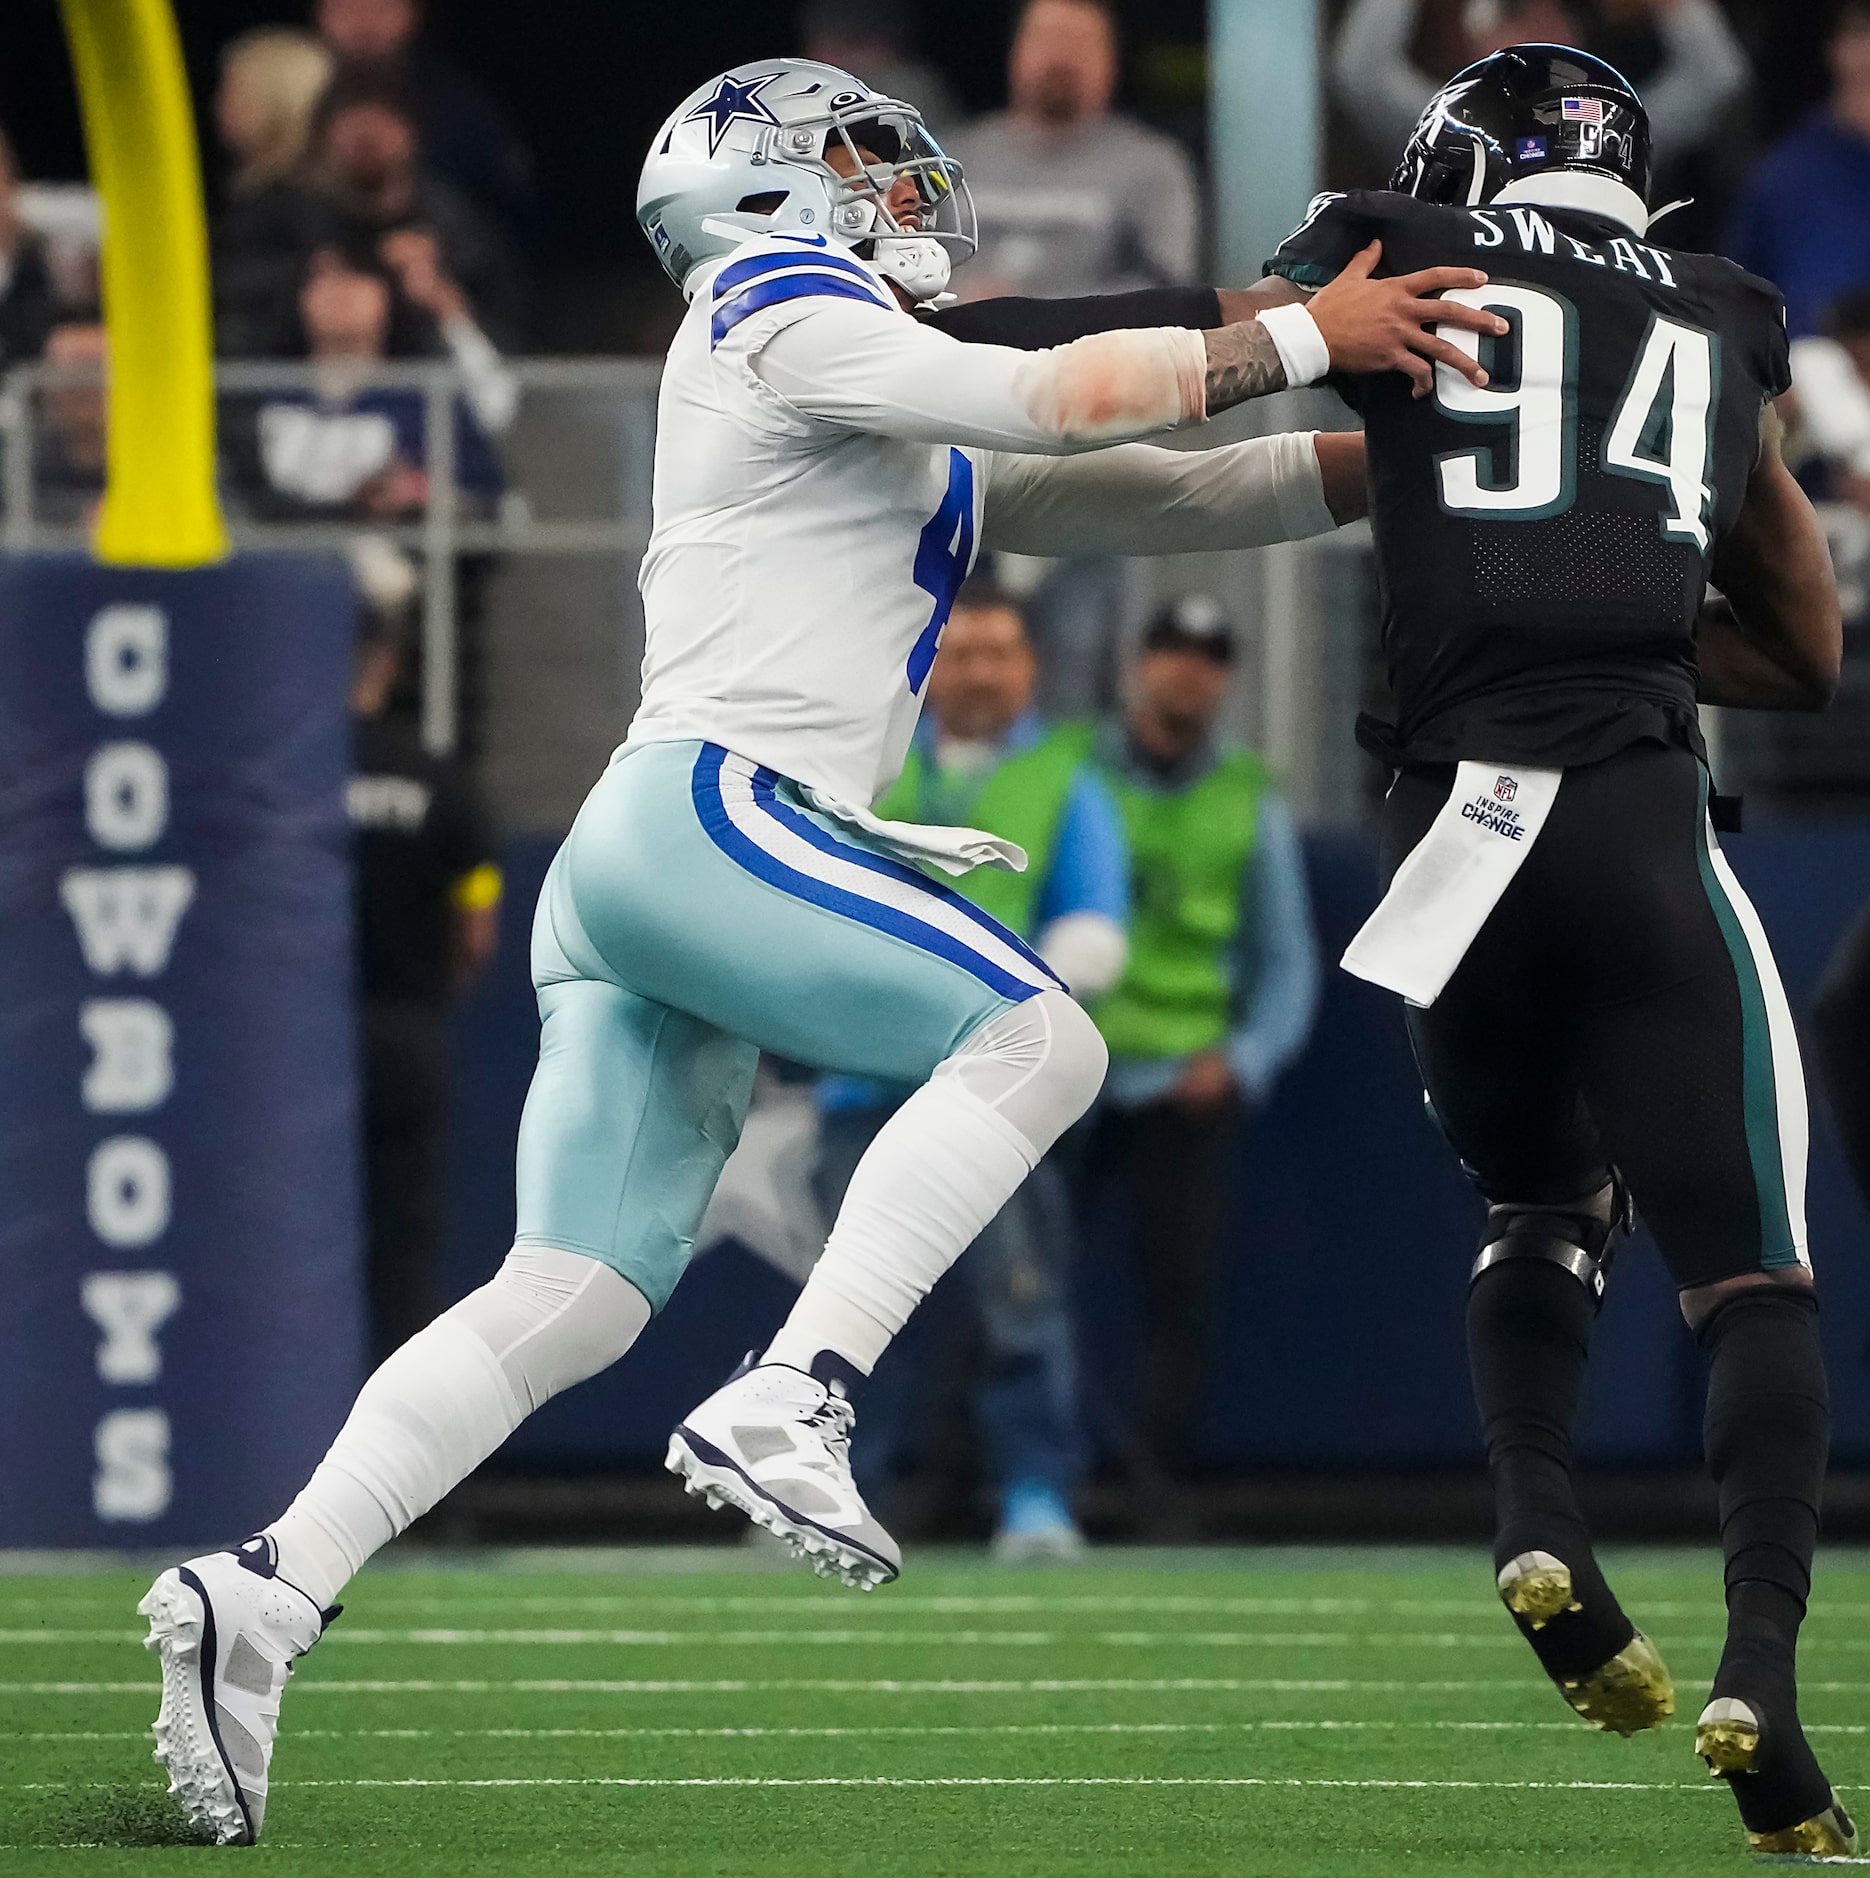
x=1580, y=1235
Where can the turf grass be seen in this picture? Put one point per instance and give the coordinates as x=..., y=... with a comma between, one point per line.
x=1308, y=1714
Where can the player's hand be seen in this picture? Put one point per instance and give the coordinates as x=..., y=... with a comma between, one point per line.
x=1375, y=325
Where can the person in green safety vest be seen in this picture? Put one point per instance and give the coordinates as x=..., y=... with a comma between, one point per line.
x=982, y=759
x=1217, y=999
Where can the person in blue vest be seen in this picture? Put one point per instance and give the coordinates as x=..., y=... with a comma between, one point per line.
x=1216, y=1001
x=983, y=759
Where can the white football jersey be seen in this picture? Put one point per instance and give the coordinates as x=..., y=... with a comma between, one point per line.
x=827, y=468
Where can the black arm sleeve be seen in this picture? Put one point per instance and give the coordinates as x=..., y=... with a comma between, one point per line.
x=1033, y=325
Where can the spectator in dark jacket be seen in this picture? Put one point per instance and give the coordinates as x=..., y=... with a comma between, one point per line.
x=1803, y=219
x=466, y=139
x=271, y=81
x=368, y=161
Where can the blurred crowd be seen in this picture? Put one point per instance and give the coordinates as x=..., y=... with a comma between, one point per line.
x=370, y=208
x=363, y=213
x=371, y=205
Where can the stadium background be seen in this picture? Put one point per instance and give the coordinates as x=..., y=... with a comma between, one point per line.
x=1337, y=1403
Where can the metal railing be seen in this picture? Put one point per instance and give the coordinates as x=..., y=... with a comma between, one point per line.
x=440, y=534
x=1306, y=609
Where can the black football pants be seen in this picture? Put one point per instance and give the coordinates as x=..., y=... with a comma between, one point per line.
x=1620, y=1007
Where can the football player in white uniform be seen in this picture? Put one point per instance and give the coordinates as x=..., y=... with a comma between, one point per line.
x=826, y=468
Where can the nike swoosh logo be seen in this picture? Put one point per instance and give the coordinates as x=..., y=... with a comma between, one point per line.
x=811, y=241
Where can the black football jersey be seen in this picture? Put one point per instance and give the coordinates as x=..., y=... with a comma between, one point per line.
x=1543, y=543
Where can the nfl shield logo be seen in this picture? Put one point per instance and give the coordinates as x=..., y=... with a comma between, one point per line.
x=1505, y=788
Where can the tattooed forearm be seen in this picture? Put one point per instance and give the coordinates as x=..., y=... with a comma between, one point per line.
x=1243, y=363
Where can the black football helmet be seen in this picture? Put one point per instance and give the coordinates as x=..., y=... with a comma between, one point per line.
x=1522, y=111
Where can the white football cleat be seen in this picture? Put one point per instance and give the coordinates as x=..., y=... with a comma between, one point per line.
x=775, y=1442
x=227, y=1631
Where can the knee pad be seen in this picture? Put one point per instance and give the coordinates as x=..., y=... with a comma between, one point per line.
x=1581, y=1235
x=552, y=1319
x=1040, y=1064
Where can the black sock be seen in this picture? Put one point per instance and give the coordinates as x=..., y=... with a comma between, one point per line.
x=1528, y=1339
x=1767, y=1431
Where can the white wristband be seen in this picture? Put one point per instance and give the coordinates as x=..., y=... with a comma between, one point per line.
x=1302, y=348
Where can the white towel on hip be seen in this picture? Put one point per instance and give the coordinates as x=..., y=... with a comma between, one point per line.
x=1453, y=878
x=953, y=850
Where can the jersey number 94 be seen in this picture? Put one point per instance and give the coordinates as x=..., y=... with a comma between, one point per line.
x=1660, y=431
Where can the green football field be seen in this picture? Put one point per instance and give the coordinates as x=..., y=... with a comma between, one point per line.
x=1284, y=1712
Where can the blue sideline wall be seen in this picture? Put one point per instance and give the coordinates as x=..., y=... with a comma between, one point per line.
x=178, y=1192
x=1340, y=1341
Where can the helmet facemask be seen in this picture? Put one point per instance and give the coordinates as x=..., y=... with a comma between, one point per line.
x=883, y=142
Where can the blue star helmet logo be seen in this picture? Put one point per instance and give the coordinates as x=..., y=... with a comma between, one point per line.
x=733, y=102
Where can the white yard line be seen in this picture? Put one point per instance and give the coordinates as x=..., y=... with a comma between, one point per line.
x=397, y=1603
x=1499, y=1639
x=848, y=1686
x=387, y=1593
x=940, y=1639
x=1264, y=1685
x=895, y=1731
x=966, y=1780
x=901, y=1731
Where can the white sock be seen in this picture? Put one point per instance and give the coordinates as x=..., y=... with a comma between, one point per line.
x=938, y=1171
x=940, y=1168
x=446, y=1400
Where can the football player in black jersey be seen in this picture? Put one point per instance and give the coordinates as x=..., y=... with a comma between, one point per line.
x=1598, y=1020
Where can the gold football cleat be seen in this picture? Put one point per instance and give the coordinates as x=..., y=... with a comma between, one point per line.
x=1537, y=1587
x=1626, y=1695
x=1727, y=1737
x=1829, y=1834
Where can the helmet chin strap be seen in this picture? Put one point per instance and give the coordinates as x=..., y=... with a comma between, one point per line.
x=918, y=264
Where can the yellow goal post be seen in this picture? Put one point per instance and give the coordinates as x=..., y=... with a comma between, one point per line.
x=160, y=508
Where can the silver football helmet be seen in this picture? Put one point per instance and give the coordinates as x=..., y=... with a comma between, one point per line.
x=750, y=153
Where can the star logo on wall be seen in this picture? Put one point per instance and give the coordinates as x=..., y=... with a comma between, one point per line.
x=732, y=102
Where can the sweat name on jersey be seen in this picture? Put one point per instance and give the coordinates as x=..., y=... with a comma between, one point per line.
x=1532, y=233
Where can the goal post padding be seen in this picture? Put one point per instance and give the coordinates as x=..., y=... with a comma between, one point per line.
x=179, y=1237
